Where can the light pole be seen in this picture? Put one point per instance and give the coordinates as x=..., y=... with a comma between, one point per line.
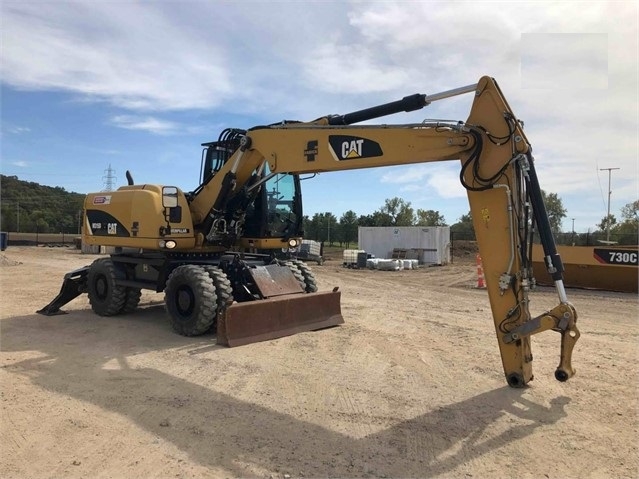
x=573, y=231
x=609, y=193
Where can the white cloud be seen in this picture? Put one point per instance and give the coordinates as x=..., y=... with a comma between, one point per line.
x=18, y=130
x=353, y=68
x=438, y=179
x=564, y=60
x=130, y=54
x=410, y=174
x=146, y=123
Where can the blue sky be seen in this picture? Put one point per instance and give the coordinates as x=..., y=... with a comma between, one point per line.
x=140, y=85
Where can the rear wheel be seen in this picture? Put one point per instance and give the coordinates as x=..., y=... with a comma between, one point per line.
x=105, y=297
x=191, y=300
x=132, y=300
x=132, y=294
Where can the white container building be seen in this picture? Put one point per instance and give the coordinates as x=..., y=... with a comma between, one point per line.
x=428, y=244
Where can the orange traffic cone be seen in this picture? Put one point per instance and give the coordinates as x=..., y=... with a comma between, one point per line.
x=480, y=274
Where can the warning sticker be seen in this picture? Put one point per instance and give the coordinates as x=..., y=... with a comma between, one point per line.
x=102, y=200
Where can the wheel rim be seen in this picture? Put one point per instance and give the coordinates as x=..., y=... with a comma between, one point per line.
x=185, y=301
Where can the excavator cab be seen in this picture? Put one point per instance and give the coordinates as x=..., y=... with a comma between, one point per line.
x=215, y=154
x=277, y=211
x=270, y=205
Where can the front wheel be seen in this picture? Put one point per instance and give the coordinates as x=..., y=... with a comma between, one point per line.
x=223, y=288
x=191, y=300
x=310, y=283
x=297, y=273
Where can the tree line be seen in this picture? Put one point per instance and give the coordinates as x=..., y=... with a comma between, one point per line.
x=30, y=207
x=325, y=227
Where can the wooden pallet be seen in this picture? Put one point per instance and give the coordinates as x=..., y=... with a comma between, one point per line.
x=399, y=253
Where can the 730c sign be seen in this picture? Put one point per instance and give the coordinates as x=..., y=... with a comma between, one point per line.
x=617, y=256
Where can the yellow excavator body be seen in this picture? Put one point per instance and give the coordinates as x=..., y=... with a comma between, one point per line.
x=216, y=252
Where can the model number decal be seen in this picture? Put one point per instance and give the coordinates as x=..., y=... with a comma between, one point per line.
x=623, y=258
x=101, y=223
x=615, y=256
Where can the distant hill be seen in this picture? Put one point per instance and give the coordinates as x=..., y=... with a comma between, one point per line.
x=30, y=207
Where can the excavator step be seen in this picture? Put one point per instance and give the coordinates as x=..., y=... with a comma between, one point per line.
x=261, y=320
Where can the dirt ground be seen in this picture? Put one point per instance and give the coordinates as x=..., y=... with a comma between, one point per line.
x=410, y=386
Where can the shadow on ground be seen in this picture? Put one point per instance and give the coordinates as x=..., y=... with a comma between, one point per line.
x=216, y=429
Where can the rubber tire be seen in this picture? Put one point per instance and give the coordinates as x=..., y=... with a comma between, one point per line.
x=223, y=291
x=132, y=300
x=105, y=297
x=297, y=273
x=223, y=288
x=310, y=284
x=195, y=314
x=132, y=294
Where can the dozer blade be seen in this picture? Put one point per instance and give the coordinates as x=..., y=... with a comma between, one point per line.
x=261, y=320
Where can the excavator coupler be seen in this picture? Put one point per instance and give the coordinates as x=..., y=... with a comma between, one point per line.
x=276, y=317
x=74, y=284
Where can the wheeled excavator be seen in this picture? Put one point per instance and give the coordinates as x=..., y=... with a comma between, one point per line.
x=212, y=250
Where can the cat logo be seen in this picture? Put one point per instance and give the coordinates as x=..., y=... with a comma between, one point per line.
x=352, y=149
x=344, y=147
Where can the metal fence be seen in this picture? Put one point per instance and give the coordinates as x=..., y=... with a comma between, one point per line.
x=596, y=238
x=574, y=239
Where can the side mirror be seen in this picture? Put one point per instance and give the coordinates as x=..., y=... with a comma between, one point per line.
x=172, y=211
x=169, y=196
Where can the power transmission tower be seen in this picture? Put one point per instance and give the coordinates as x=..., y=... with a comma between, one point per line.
x=109, y=178
x=609, y=193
